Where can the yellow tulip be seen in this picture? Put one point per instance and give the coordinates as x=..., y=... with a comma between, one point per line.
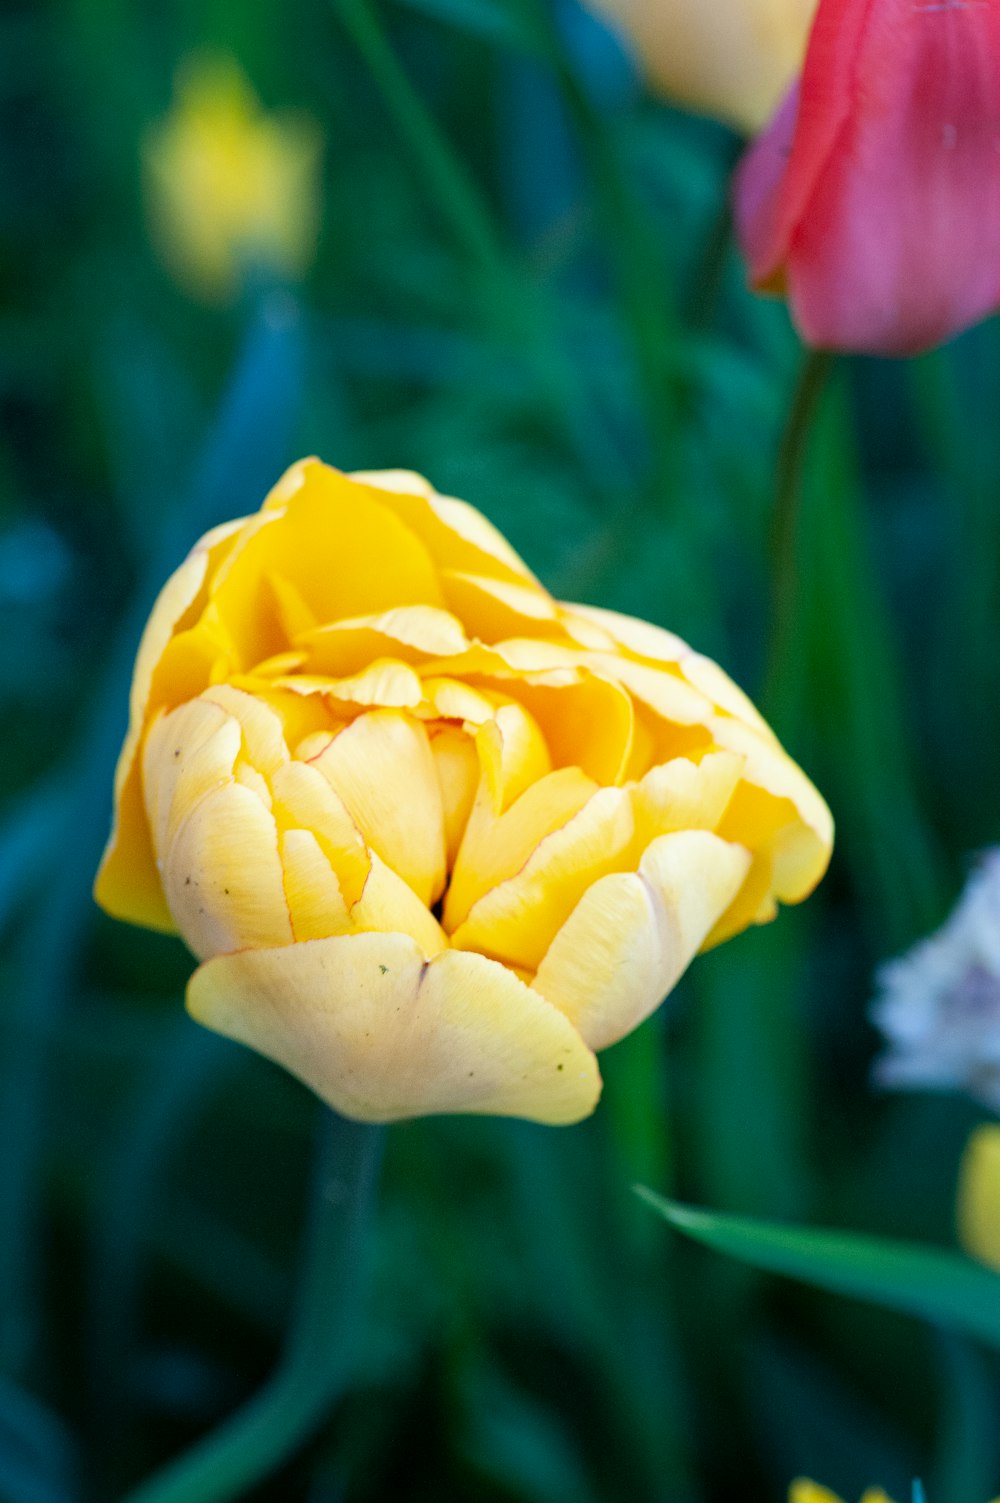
x=979, y=1196
x=804, y=1491
x=229, y=186
x=731, y=59
x=436, y=837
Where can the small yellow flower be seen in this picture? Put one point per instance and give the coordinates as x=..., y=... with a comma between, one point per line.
x=731, y=59
x=229, y=186
x=804, y=1491
x=436, y=837
x=979, y=1196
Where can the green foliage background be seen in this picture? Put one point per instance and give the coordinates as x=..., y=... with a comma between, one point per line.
x=526, y=290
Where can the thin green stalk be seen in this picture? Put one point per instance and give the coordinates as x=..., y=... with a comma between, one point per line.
x=320, y=1350
x=784, y=539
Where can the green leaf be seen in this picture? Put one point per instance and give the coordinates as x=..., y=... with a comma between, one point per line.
x=939, y=1286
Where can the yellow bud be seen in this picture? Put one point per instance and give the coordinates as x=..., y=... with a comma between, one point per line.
x=979, y=1196
x=731, y=59
x=228, y=186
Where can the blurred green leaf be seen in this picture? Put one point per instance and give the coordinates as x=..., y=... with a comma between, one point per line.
x=938, y=1286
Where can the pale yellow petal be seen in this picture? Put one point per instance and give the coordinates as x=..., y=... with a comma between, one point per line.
x=303, y=799
x=516, y=920
x=128, y=884
x=382, y=1035
x=187, y=753
x=632, y=935
x=684, y=795
x=411, y=634
x=978, y=1210
x=638, y=637
x=513, y=754
x=262, y=729
x=223, y=877
x=389, y=905
x=494, y=848
x=457, y=764
x=315, y=902
x=382, y=767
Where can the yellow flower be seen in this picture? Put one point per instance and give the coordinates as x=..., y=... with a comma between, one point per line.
x=804, y=1491
x=731, y=59
x=435, y=836
x=228, y=186
x=979, y=1196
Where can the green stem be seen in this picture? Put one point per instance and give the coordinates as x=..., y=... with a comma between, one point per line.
x=319, y=1353
x=784, y=540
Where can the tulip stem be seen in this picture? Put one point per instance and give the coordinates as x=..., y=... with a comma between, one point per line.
x=320, y=1346
x=785, y=518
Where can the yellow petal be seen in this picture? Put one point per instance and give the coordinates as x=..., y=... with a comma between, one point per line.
x=493, y=609
x=632, y=935
x=382, y=1035
x=128, y=884
x=638, y=637
x=384, y=683
x=517, y=919
x=713, y=682
x=979, y=1196
x=457, y=764
x=263, y=733
x=683, y=795
x=382, y=767
x=494, y=848
x=303, y=799
x=344, y=552
x=187, y=753
x=804, y=1491
x=412, y=634
x=315, y=902
x=457, y=535
x=223, y=877
x=389, y=905
x=513, y=754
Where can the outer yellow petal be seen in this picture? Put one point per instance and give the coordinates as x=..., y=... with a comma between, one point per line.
x=632, y=935
x=127, y=884
x=223, y=876
x=381, y=1035
x=979, y=1196
x=382, y=766
x=516, y=920
x=187, y=753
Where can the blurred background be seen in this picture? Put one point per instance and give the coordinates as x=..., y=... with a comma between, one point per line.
x=497, y=259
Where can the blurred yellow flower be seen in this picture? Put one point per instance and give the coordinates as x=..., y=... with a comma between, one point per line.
x=731, y=59
x=228, y=186
x=435, y=836
x=804, y=1491
x=979, y=1196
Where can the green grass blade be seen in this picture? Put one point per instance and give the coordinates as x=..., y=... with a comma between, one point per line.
x=936, y=1285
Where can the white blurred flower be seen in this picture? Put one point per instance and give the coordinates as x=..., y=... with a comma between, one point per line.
x=939, y=1004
